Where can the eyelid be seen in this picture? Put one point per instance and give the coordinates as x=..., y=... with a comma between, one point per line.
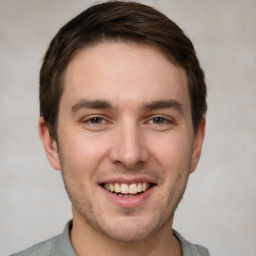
x=167, y=119
x=90, y=117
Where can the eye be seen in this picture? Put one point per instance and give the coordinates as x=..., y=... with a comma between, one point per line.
x=158, y=120
x=96, y=120
x=161, y=123
x=95, y=123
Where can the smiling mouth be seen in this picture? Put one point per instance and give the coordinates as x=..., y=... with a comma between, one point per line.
x=127, y=190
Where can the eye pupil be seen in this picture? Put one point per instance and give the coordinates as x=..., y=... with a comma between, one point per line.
x=96, y=120
x=158, y=120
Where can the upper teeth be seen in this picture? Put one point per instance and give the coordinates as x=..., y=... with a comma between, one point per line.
x=124, y=188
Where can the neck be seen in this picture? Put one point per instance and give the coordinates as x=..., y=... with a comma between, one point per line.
x=88, y=241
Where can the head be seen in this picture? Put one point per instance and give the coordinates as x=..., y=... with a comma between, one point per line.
x=122, y=101
x=118, y=21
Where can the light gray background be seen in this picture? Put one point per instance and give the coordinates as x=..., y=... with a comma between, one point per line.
x=219, y=207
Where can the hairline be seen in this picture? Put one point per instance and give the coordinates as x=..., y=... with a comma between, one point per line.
x=105, y=40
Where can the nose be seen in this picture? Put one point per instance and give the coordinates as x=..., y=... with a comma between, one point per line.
x=128, y=148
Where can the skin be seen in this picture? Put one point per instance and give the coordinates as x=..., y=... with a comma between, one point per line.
x=124, y=116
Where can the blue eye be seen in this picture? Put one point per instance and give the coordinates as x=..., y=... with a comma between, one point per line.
x=159, y=120
x=95, y=123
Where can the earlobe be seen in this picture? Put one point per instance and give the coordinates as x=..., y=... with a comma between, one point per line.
x=197, y=145
x=50, y=145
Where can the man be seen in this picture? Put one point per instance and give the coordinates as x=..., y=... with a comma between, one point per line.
x=122, y=103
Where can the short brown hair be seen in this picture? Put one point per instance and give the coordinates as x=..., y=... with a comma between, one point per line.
x=118, y=20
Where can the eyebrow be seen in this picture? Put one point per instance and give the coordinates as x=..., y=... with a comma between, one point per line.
x=102, y=104
x=160, y=104
x=96, y=104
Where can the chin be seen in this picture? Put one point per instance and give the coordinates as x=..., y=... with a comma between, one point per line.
x=128, y=230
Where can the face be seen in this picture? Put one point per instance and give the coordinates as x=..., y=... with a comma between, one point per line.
x=125, y=139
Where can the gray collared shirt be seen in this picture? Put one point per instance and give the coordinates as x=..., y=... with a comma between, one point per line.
x=60, y=245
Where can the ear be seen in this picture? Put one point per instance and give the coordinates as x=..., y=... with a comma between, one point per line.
x=50, y=145
x=197, y=145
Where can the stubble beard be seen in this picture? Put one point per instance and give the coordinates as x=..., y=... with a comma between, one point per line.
x=139, y=234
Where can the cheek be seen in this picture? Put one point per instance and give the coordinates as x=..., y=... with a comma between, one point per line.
x=172, y=152
x=82, y=152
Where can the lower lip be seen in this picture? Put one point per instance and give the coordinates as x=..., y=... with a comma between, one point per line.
x=128, y=201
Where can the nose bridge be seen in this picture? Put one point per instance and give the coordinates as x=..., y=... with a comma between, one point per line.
x=129, y=145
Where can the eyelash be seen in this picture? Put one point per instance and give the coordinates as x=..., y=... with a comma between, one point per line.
x=94, y=120
x=162, y=120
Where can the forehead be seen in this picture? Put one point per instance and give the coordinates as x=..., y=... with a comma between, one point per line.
x=124, y=71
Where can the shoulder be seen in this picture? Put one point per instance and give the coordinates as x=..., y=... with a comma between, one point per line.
x=59, y=245
x=41, y=249
x=190, y=249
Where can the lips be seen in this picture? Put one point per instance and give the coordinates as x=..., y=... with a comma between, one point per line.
x=127, y=190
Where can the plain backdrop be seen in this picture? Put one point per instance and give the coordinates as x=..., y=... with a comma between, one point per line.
x=219, y=206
